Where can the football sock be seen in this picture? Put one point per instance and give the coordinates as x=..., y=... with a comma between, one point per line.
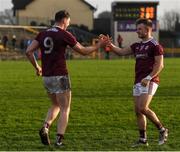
x=60, y=137
x=159, y=126
x=143, y=134
x=161, y=129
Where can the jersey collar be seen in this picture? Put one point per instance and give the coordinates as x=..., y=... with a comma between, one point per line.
x=147, y=40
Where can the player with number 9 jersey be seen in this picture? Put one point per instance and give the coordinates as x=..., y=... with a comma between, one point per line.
x=53, y=43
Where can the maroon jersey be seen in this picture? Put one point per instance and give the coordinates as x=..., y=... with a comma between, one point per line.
x=53, y=43
x=145, y=53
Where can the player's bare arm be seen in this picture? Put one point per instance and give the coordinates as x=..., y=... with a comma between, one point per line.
x=121, y=51
x=89, y=49
x=115, y=49
x=30, y=55
x=157, y=68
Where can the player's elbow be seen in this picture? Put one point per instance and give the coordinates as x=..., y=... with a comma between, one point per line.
x=118, y=53
x=28, y=53
x=160, y=67
x=80, y=49
x=121, y=53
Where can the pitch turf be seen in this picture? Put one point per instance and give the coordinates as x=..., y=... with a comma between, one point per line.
x=102, y=116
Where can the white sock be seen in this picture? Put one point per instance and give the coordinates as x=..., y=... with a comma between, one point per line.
x=162, y=129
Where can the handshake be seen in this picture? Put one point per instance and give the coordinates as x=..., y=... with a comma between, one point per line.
x=104, y=41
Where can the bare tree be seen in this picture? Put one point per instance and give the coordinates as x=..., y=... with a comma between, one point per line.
x=170, y=20
x=6, y=17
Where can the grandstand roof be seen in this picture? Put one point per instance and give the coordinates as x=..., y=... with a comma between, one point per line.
x=91, y=7
x=19, y=4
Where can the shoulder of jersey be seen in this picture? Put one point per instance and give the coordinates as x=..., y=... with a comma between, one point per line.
x=53, y=29
x=153, y=41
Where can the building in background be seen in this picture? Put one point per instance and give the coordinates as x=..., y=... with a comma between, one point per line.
x=41, y=12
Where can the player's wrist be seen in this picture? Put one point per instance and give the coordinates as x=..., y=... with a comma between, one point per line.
x=37, y=67
x=148, y=77
x=98, y=45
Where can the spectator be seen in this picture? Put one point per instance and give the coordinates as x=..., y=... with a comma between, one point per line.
x=22, y=45
x=13, y=41
x=119, y=40
x=4, y=41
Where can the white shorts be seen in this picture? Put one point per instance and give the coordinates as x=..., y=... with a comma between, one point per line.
x=138, y=89
x=57, y=84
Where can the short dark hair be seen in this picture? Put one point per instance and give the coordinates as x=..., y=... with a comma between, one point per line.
x=60, y=15
x=144, y=21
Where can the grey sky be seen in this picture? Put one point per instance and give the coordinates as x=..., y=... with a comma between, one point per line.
x=105, y=5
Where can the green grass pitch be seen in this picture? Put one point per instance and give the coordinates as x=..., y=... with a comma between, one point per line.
x=102, y=116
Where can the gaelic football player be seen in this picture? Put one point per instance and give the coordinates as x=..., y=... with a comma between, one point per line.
x=53, y=43
x=149, y=63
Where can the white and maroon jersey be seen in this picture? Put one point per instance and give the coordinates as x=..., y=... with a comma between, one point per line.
x=53, y=43
x=145, y=53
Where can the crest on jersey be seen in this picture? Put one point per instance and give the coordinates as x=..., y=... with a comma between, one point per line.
x=147, y=47
x=141, y=47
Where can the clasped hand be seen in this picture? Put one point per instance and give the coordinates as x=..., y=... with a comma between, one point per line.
x=105, y=40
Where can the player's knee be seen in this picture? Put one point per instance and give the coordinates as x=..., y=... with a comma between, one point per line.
x=143, y=110
x=140, y=111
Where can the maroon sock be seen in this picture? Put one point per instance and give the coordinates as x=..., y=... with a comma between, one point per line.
x=159, y=126
x=60, y=136
x=143, y=134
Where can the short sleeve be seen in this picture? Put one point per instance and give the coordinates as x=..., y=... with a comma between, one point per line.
x=158, y=50
x=69, y=39
x=37, y=38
